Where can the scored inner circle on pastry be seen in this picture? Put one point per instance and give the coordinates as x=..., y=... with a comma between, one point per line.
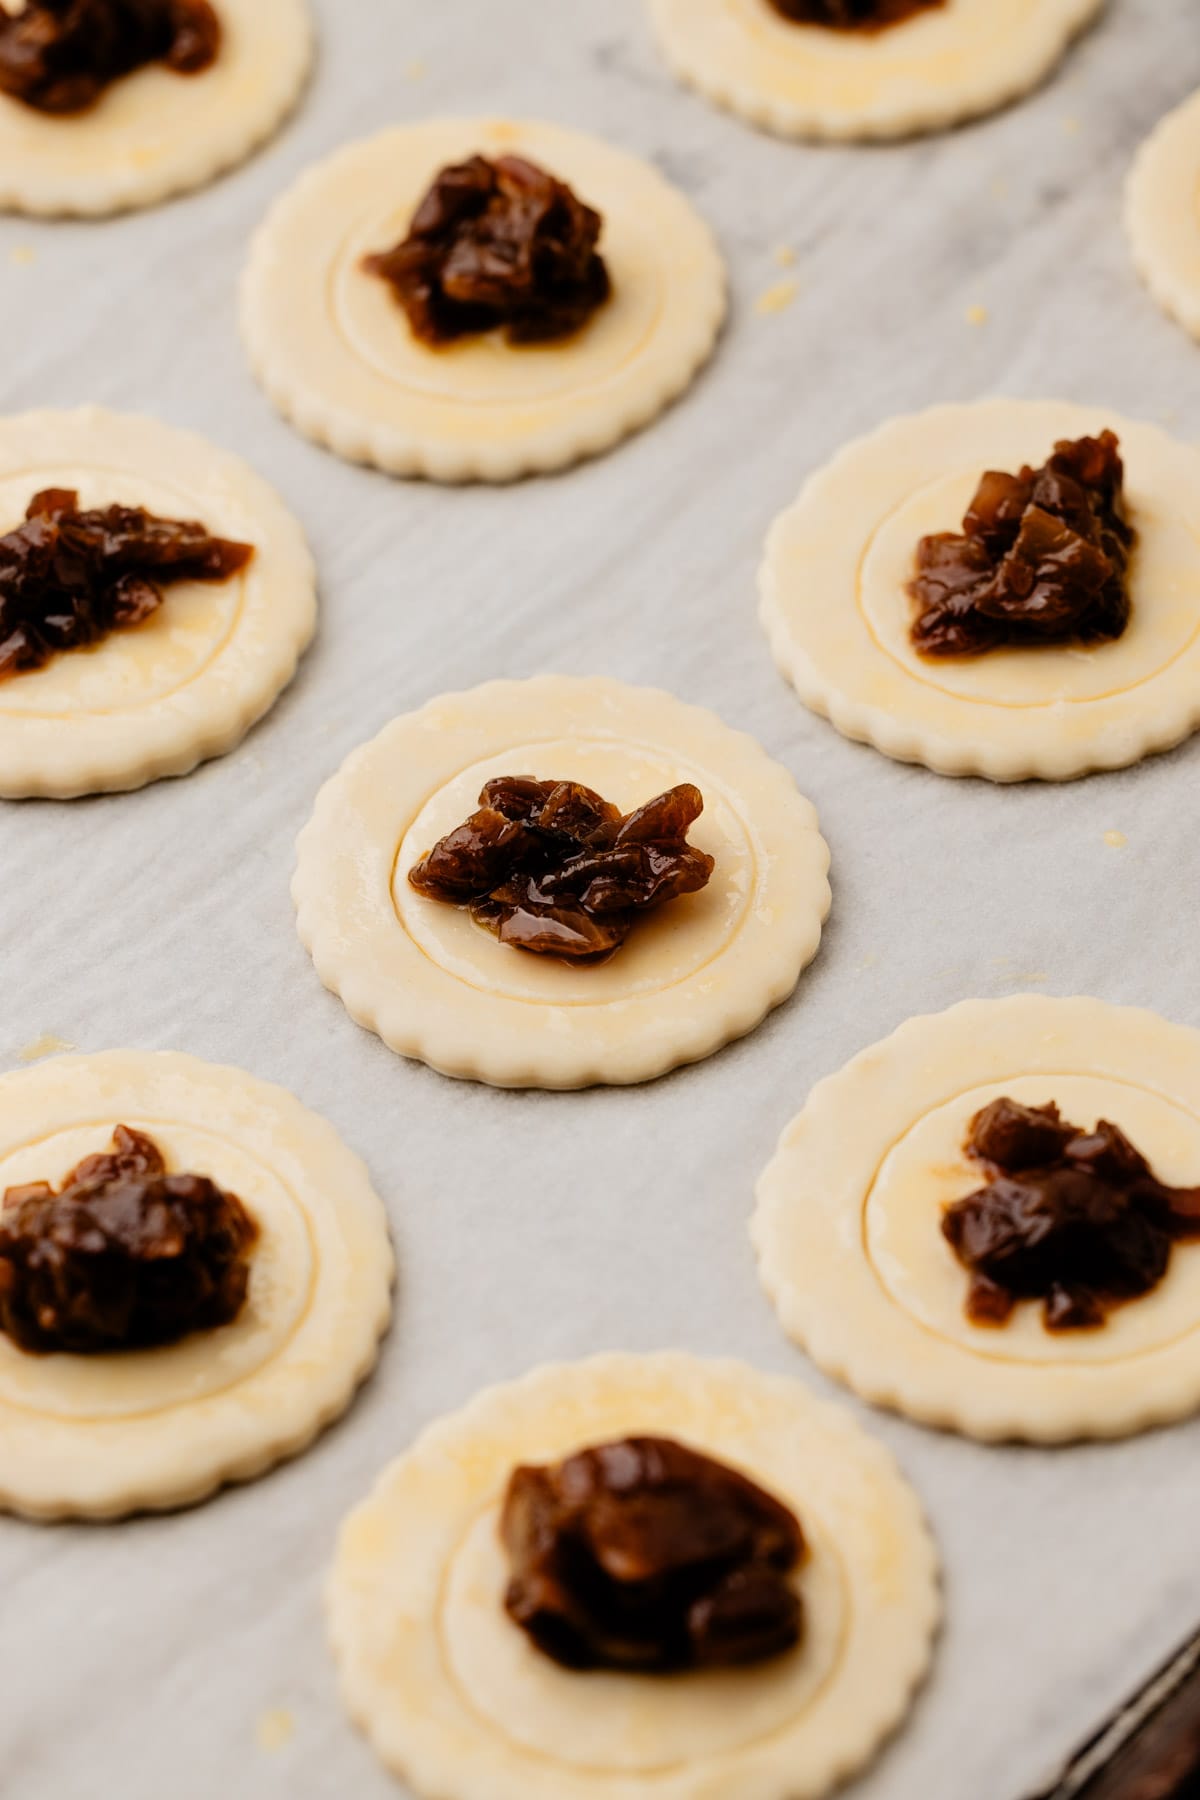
x=100, y=1436
x=335, y=352
x=1162, y=214
x=154, y=133
x=838, y=616
x=848, y=1223
x=189, y=682
x=455, y=1698
x=953, y=62
x=435, y=985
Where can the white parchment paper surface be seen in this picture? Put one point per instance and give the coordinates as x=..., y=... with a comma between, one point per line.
x=141, y=1661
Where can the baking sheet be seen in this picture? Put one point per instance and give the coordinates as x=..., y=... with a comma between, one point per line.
x=143, y=1660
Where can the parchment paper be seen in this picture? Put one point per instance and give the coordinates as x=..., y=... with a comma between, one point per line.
x=140, y=1660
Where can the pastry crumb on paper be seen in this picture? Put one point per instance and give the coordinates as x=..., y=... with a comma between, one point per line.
x=275, y=1729
x=777, y=298
x=45, y=1045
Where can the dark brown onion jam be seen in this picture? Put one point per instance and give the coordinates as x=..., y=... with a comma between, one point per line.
x=1043, y=558
x=853, y=15
x=123, y=1256
x=552, y=868
x=497, y=244
x=1074, y=1219
x=69, y=578
x=645, y=1555
x=58, y=56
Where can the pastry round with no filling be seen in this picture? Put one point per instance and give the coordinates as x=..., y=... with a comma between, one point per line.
x=155, y=133
x=104, y=1434
x=434, y=984
x=337, y=354
x=189, y=681
x=850, y=1233
x=943, y=63
x=1162, y=212
x=837, y=608
x=455, y=1698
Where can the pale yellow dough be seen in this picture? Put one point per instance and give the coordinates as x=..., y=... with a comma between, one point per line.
x=102, y=1436
x=434, y=985
x=188, y=683
x=848, y=1225
x=1162, y=213
x=154, y=134
x=455, y=1699
x=952, y=63
x=836, y=609
x=332, y=345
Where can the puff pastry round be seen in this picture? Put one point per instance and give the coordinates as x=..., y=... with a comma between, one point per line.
x=436, y=986
x=333, y=348
x=836, y=610
x=455, y=1699
x=189, y=682
x=939, y=67
x=848, y=1234
x=101, y=1436
x=154, y=133
x=1162, y=214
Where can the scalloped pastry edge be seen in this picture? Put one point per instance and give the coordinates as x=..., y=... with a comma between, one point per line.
x=971, y=1412
x=184, y=1481
x=436, y=1770
x=908, y=118
x=506, y=1063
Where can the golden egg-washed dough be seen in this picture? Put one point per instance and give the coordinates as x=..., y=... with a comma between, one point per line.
x=455, y=1699
x=942, y=66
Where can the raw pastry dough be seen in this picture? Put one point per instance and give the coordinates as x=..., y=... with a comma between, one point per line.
x=849, y=1212
x=953, y=63
x=436, y=986
x=835, y=606
x=455, y=1699
x=334, y=351
x=1163, y=214
x=102, y=1436
x=189, y=683
x=154, y=133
